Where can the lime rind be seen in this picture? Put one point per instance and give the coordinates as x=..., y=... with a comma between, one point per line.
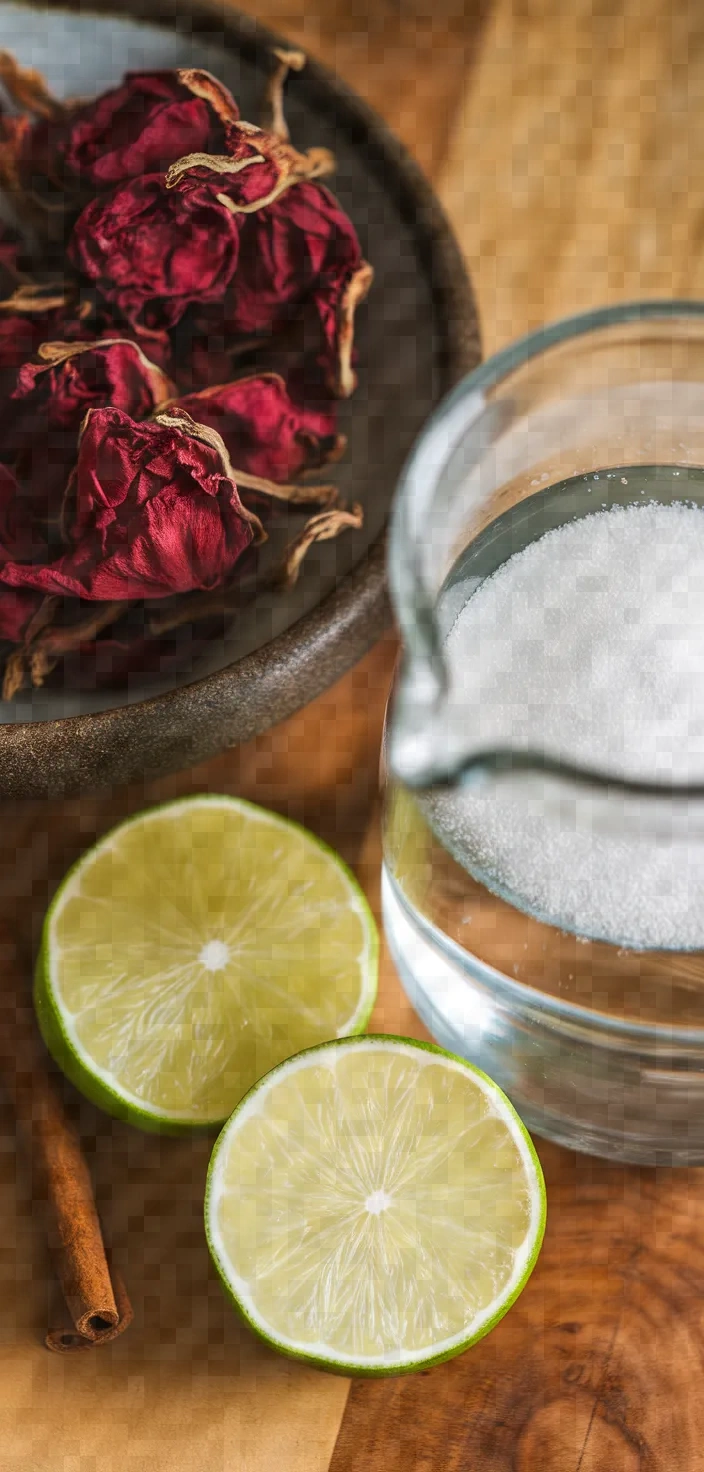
x=65, y=1047
x=323, y=1357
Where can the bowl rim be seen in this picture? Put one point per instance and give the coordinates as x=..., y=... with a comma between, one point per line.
x=93, y=750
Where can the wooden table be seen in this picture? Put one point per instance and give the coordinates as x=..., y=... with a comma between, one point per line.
x=567, y=141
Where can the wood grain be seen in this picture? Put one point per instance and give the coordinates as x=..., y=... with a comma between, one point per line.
x=573, y=175
x=597, y=1368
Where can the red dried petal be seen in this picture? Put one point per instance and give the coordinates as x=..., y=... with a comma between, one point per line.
x=137, y=128
x=256, y=168
x=155, y=513
x=151, y=252
x=265, y=432
x=140, y=127
x=39, y=430
x=70, y=379
x=300, y=254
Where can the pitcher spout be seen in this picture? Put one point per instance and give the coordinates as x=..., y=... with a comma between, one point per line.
x=416, y=749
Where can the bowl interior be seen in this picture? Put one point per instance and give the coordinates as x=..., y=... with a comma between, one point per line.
x=397, y=335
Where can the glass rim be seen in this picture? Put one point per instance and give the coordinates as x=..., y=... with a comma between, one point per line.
x=410, y=598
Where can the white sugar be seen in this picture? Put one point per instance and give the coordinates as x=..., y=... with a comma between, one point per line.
x=589, y=644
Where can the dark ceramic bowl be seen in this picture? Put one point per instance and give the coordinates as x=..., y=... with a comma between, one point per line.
x=416, y=336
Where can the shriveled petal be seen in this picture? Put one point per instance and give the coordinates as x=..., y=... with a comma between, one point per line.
x=256, y=168
x=71, y=378
x=153, y=512
x=302, y=256
x=267, y=434
x=140, y=126
x=150, y=252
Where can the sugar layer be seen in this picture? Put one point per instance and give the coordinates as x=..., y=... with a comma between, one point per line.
x=589, y=644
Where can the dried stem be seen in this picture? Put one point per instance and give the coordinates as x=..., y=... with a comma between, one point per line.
x=292, y=166
x=319, y=529
x=53, y=643
x=332, y=456
x=55, y=353
x=357, y=287
x=314, y=164
x=215, y=163
x=18, y=663
x=28, y=298
x=293, y=495
x=203, y=84
x=15, y=671
x=41, y=619
x=274, y=120
x=191, y=608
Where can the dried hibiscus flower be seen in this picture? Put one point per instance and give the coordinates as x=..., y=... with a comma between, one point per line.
x=71, y=378
x=271, y=440
x=167, y=243
x=39, y=432
x=21, y=336
x=152, y=510
x=150, y=252
x=302, y=255
x=143, y=125
x=257, y=168
x=285, y=60
x=139, y=127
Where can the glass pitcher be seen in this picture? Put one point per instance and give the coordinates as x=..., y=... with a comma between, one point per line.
x=543, y=883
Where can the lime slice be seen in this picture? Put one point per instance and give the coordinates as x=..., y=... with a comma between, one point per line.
x=374, y=1206
x=195, y=947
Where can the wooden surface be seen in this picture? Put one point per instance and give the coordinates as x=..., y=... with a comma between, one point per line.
x=573, y=174
x=597, y=1368
x=187, y=1389
x=568, y=140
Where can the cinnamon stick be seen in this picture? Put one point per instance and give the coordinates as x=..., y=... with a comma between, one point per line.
x=97, y=1308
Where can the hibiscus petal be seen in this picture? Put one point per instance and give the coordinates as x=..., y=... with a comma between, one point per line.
x=301, y=256
x=266, y=433
x=257, y=167
x=155, y=511
x=138, y=127
x=151, y=252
